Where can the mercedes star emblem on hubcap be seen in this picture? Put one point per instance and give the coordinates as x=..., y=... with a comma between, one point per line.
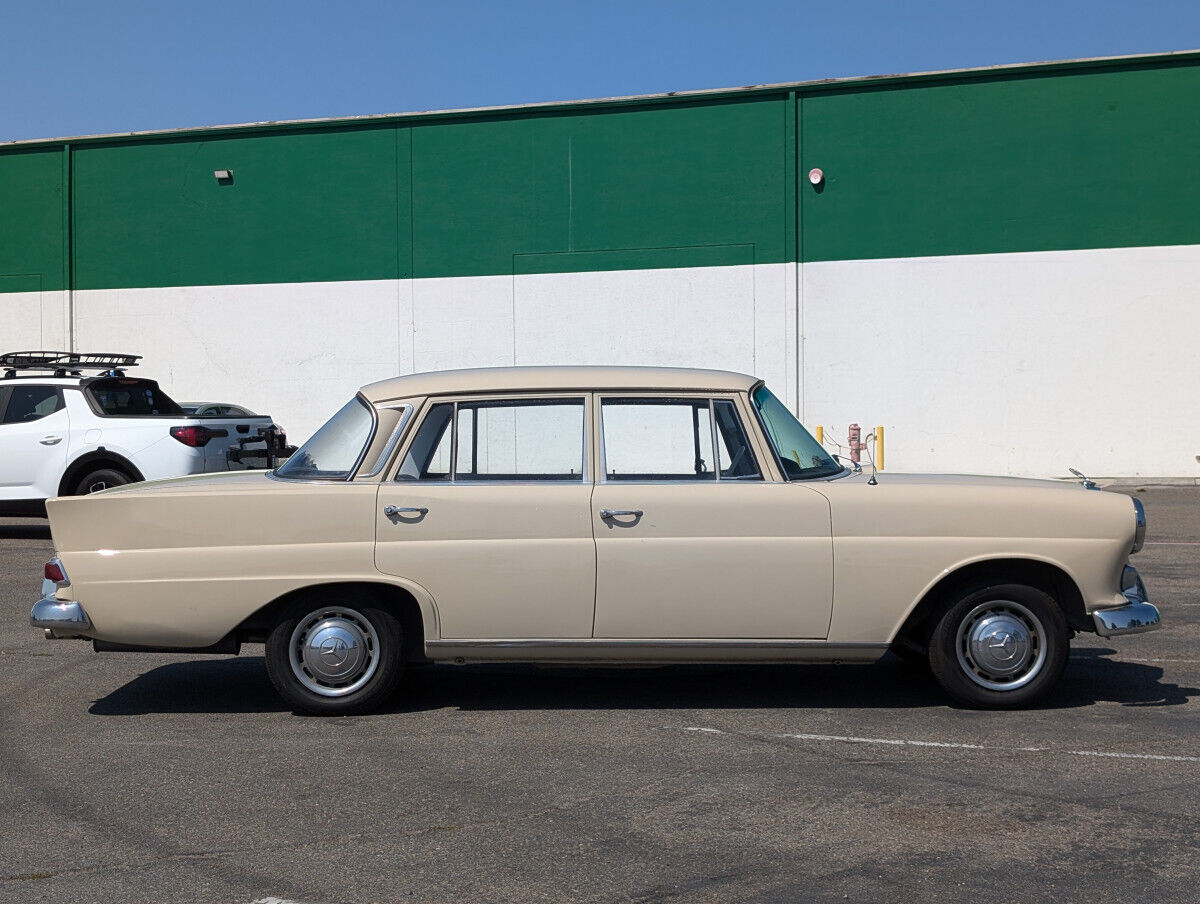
x=335, y=651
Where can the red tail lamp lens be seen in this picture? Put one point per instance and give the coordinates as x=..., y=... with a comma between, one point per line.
x=53, y=572
x=196, y=437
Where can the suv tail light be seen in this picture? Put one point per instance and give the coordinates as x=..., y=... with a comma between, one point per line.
x=196, y=436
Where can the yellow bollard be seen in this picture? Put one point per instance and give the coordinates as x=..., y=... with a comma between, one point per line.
x=820, y=434
x=879, y=447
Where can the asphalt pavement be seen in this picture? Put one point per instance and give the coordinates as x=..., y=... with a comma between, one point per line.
x=162, y=778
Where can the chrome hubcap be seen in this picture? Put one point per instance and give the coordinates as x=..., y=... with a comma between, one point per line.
x=97, y=487
x=334, y=651
x=1001, y=645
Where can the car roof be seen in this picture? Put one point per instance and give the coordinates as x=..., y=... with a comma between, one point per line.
x=554, y=379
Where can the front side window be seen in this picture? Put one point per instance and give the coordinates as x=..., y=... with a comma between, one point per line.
x=31, y=403
x=799, y=454
x=526, y=439
x=335, y=449
x=652, y=439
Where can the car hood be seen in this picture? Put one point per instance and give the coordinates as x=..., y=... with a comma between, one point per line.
x=966, y=481
x=965, y=505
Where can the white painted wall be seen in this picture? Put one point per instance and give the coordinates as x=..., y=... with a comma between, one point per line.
x=298, y=351
x=33, y=320
x=1022, y=364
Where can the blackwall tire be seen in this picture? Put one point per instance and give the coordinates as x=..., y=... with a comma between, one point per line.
x=337, y=654
x=100, y=479
x=1000, y=646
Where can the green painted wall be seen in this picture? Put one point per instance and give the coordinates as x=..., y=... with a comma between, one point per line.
x=32, y=235
x=696, y=178
x=301, y=207
x=1089, y=156
x=1079, y=160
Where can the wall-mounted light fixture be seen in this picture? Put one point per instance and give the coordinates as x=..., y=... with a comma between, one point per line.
x=223, y=176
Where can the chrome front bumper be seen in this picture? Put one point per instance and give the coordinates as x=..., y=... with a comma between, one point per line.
x=1135, y=617
x=59, y=618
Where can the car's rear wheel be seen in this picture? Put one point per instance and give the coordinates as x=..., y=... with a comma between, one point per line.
x=338, y=654
x=100, y=479
x=1000, y=646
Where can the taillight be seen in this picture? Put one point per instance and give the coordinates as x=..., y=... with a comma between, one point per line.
x=54, y=571
x=196, y=436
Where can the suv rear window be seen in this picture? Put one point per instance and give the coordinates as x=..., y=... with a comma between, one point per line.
x=129, y=397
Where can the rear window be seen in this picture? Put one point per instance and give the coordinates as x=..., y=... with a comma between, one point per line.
x=130, y=397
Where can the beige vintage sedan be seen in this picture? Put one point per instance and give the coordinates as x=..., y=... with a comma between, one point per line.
x=592, y=515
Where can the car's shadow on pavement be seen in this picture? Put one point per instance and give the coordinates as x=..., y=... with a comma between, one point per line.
x=240, y=684
x=236, y=684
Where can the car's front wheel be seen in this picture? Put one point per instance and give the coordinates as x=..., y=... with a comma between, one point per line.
x=339, y=654
x=1000, y=646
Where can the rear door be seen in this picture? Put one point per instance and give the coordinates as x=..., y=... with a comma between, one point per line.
x=33, y=432
x=488, y=511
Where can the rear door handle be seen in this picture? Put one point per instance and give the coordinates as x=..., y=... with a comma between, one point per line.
x=608, y=514
x=392, y=510
x=50, y=440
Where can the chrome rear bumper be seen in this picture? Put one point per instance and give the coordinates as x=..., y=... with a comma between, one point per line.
x=59, y=618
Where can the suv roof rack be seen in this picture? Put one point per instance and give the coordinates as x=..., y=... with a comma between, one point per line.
x=67, y=364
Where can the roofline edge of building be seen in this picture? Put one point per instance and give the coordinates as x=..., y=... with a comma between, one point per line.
x=840, y=82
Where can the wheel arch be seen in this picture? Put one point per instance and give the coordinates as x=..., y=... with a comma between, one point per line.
x=914, y=632
x=90, y=461
x=416, y=613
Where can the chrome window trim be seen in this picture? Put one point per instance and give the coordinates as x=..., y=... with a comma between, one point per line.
x=370, y=438
x=386, y=453
x=759, y=477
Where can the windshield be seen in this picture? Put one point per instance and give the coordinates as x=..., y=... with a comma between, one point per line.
x=334, y=450
x=800, y=455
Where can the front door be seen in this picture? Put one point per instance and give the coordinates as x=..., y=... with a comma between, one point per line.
x=33, y=440
x=693, y=541
x=489, y=512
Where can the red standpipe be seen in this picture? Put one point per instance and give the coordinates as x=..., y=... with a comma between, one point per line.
x=855, y=442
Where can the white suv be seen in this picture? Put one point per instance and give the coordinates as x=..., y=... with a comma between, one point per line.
x=66, y=434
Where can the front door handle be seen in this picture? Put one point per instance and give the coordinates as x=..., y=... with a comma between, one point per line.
x=393, y=510
x=608, y=514
x=50, y=440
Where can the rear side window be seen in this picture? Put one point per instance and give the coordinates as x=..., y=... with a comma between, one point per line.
x=127, y=397
x=511, y=439
x=31, y=403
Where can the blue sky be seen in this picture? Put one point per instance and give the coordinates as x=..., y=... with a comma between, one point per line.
x=74, y=68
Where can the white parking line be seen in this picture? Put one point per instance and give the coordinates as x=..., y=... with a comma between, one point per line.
x=952, y=745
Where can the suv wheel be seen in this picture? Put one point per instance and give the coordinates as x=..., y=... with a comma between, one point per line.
x=100, y=479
